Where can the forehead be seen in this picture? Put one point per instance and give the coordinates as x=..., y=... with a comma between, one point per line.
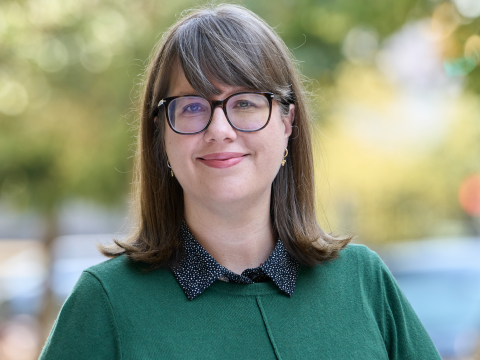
x=179, y=85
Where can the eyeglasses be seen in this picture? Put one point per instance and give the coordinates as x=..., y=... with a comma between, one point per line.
x=245, y=111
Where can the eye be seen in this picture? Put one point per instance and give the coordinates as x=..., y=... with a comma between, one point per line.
x=244, y=104
x=194, y=108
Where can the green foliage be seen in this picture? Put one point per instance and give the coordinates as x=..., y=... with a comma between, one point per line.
x=71, y=77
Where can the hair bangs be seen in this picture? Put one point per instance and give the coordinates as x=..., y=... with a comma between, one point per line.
x=213, y=51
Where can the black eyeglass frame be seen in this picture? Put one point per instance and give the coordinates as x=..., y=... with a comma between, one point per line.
x=214, y=104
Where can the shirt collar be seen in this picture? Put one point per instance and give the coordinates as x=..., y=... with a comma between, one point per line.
x=197, y=270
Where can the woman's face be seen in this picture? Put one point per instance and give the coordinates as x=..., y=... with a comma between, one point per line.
x=221, y=164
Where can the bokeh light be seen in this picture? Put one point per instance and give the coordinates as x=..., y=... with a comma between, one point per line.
x=468, y=8
x=469, y=195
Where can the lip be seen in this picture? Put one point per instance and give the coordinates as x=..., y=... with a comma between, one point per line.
x=222, y=160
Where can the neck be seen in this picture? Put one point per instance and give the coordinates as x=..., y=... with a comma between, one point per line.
x=238, y=236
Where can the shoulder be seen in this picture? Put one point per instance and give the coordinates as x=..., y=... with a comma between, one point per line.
x=356, y=257
x=121, y=273
x=369, y=267
x=113, y=268
x=365, y=269
x=357, y=269
x=359, y=273
x=354, y=264
x=359, y=251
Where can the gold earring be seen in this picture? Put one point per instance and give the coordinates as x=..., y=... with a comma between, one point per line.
x=171, y=171
x=284, y=161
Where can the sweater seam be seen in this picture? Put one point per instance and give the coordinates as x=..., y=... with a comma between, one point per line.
x=112, y=321
x=267, y=327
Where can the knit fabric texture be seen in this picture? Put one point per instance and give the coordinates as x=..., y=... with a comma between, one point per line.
x=349, y=308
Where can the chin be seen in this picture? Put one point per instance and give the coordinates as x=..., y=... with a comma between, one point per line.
x=226, y=195
x=233, y=193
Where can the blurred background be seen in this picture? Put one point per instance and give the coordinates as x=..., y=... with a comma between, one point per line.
x=396, y=94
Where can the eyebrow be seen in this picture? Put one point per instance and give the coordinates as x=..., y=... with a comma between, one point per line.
x=184, y=93
x=194, y=93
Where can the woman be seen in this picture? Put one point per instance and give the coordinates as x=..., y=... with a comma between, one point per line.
x=225, y=260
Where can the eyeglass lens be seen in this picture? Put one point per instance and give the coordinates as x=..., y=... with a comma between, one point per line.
x=190, y=114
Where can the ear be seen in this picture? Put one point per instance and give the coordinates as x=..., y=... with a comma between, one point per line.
x=155, y=120
x=288, y=122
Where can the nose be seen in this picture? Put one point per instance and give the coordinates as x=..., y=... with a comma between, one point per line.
x=219, y=128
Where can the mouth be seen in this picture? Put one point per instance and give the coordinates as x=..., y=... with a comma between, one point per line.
x=222, y=156
x=222, y=160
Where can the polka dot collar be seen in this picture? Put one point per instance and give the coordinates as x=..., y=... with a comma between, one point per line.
x=197, y=270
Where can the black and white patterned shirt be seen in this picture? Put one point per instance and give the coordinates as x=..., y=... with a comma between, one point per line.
x=198, y=269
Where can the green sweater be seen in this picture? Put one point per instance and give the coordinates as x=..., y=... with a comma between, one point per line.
x=349, y=308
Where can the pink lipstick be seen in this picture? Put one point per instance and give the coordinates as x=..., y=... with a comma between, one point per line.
x=222, y=160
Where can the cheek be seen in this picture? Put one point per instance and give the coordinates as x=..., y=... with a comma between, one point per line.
x=168, y=145
x=180, y=150
x=270, y=146
x=276, y=136
x=174, y=148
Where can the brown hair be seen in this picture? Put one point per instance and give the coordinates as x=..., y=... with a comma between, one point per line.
x=232, y=46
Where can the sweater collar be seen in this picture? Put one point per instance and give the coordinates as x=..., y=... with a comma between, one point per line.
x=197, y=270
